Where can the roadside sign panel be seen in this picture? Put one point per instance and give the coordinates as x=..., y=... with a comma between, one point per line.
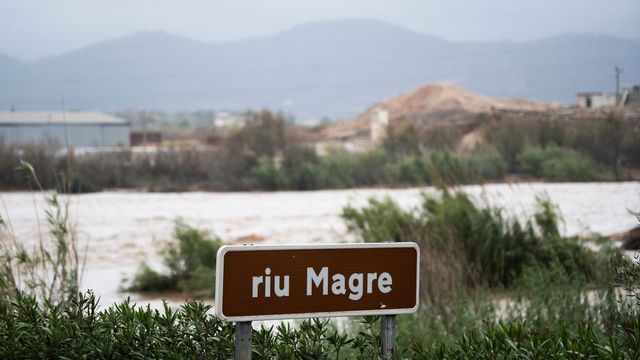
x=280, y=281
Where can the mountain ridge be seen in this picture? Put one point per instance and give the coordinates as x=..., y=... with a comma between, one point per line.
x=301, y=26
x=334, y=69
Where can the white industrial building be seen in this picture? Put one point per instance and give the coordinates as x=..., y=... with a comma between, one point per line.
x=79, y=129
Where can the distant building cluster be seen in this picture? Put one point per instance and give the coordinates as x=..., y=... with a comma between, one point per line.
x=89, y=132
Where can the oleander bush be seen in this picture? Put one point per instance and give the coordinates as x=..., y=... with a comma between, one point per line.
x=80, y=329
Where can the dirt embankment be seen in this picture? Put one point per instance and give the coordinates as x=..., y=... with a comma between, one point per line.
x=433, y=104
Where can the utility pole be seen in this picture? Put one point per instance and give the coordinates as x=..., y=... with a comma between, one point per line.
x=618, y=72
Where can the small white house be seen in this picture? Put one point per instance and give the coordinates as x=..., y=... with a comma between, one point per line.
x=77, y=128
x=595, y=100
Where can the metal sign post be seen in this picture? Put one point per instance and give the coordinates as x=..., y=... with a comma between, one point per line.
x=243, y=340
x=388, y=336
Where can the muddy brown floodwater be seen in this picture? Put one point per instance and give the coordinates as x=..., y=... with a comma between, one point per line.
x=121, y=229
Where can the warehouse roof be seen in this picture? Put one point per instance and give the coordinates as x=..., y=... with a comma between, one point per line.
x=56, y=117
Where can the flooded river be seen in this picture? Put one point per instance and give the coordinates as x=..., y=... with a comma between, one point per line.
x=121, y=229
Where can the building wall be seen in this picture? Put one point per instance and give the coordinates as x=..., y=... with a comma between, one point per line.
x=633, y=94
x=78, y=135
x=379, y=124
x=137, y=138
x=596, y=100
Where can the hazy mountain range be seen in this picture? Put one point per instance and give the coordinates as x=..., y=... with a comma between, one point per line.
x=334, y=69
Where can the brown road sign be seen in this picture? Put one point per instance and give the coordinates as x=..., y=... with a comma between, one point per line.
x=279, y=282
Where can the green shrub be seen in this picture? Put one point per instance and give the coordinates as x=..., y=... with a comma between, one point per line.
x=410, y=171
x=383, y=221
x=450, y=169
x=508, y=138
x=531, y=160
x=518, y=340
x=338, y=171
x=79, y=329
x=557, y=164
x=444, y=323
x=570, y=168
x=307, y=176
x=268, y=176
x=329, y=172
x=149, y=280
x=369, y=168
x=190, y=263
x=489, y=164
x=123, y=331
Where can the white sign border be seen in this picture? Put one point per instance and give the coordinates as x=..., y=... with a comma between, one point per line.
x=226, y=248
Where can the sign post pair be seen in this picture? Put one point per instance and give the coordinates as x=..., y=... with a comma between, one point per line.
x=255, y=283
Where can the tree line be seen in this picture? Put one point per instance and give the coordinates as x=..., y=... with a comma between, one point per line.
x=271, y=153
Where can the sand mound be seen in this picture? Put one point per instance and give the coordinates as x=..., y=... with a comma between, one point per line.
x=434, y=103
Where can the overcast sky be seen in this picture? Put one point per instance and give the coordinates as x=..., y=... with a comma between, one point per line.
x=31, y=29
